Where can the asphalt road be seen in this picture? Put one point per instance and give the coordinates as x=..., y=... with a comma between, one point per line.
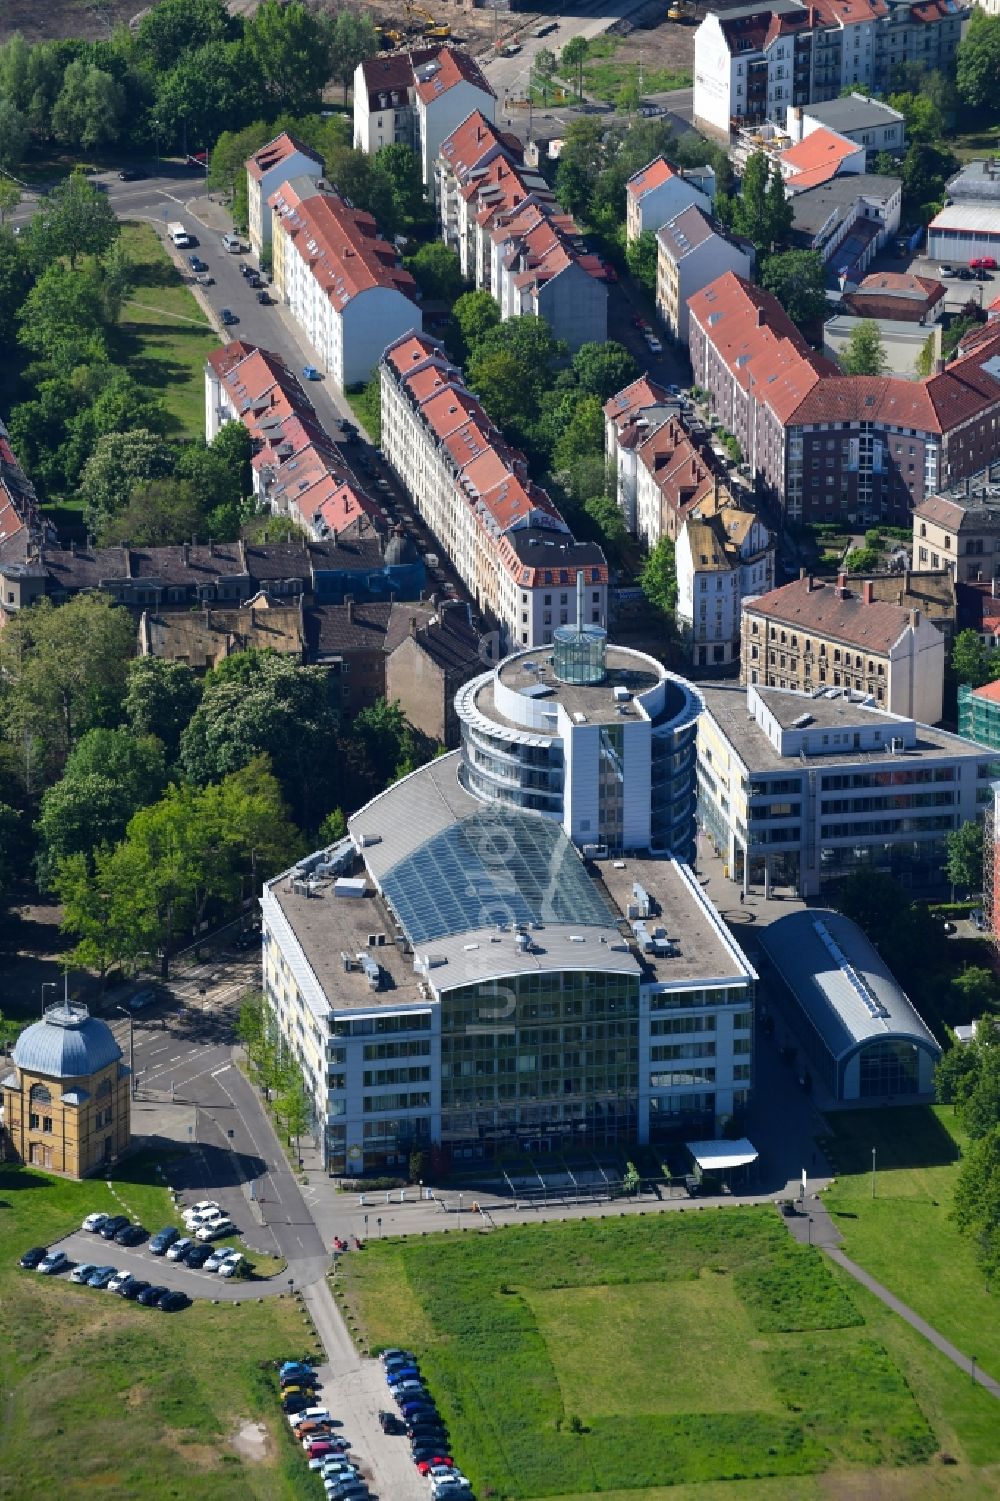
x=511, y=76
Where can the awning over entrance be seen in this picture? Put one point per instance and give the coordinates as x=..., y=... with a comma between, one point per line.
x=717, y=1156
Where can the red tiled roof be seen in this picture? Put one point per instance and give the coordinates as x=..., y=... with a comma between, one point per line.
x=822, y=150
x=450, y=67
x=989, y=691
x=840, y=615
x=412, y=350
x=275, y=152
x=653, y=175
x=643, y=392
x=343, y=248
x=392, y=73
x=473, y=140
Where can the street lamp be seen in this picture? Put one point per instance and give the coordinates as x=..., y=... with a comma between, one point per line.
x=131, y=1046
x=873, y=1172
x=47, y=985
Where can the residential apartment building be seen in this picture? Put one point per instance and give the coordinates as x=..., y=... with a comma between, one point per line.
x=431, y=971
x=502, y=532
x=826, y=446
x=721, y=559
x=20, y=514
x=819, y=156
x=426, y=669
x=958, y=532
x=753, y=63
x=344, y=285
x=281, y=160
x=299, y=469
x=629, y=417
x=462, y=168
x=870, y=122
x=809, y=635
x=848, y=219
x=799, y=790
x=692, y=250
x=659, y=192
x=417, y=97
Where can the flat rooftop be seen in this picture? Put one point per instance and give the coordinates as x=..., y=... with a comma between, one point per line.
x=704, y=948
x=533, y=674
x=727, y=704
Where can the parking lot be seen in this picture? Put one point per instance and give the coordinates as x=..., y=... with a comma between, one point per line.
x=83, y=1247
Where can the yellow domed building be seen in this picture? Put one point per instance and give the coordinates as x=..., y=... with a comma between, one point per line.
x=66, y=1105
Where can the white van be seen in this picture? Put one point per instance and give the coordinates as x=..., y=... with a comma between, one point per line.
x=179, y=235
x=232, y=243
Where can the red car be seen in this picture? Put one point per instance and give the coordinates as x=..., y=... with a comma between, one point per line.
x=983, y=263
x=638, y=322
x=423, y=1465
x=319, y=1448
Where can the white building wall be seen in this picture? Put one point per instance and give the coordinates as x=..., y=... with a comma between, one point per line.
x=712, y=258
x=714, y=78
x=373, y=320
x=575, y=305
x=916, y=673
x=656, y=206
x=581, y=760
x=436, y=120
x=296, y=164
x=637, y=758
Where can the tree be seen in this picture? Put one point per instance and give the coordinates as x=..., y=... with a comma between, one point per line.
x=641, y=255
x=863, y=353
x=977, y=1200
x=658, y=578
x=580, y=161
x=922, y=116
x=603, y=369
x=294, y=1107
x=107, y=777
x=977, y=64
x=99, y=912
x=400, y=165
x=797, y=279
x=352, y=39
x=971, y=661
x=333, y=828
x=924, y=172
x=159, y=512
x=572, y=59
x=119, y=462
x=762, y=214
x=359, y=179
x=15, y=278
x=10, y=197
x=512, y=367
x=64, y=671
x=204, y=91
x=61, y=318
x=90, y=108
x=964, y=863
x=862, y=560
x=437, y=271
x=473, y=315
x=290, y=50
x=627, y=101
x=160, y=698
x=583, y=434
x=259, y=703
x=117, y=281
x=73, y=220
x=14, y=135
x=545, y=67
x=175, y=27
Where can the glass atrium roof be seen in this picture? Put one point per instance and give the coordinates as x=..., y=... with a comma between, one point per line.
x=498, y=866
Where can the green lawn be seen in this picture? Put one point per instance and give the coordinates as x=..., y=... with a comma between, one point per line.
x=629, y=1353
x=164, y=337
x=103, y=1398
x=604, y=72
x=905, y=1236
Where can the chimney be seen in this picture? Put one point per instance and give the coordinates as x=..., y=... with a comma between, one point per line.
x=906, y=582
x=914, y=618
x=803, y=574
x=841, y=580
x=185, y=553
x=349, y=602
x=760, y=317
x=413, y=625
x=868, y=592
x=939, y=367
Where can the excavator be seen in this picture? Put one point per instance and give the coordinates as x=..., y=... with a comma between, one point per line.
x=433, y=30
x=681, y=11
x=388, y=37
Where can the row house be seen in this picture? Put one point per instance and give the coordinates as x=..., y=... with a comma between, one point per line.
x=753, y=63
x=629, y=418
x=721, y=559
x=513, y=240
x=660, y=191
x=299, y=469
x=20, y=513
x=826, y=446
x=343, y=284
x=691, y=251
x=282, y=160
x=811, y=635
x=417, y=98
x=960, y=533
x=502, y=532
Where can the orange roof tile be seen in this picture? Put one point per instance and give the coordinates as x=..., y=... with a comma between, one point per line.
x=653, y=175
x=450, y=67
x=277, y=151
x=343, y=248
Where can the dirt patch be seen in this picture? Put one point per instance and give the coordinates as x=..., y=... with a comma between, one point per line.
x=252, y=1442
x=63, y=18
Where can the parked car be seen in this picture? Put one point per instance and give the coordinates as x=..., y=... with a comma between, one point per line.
x=430, y=1460
x=83, y=1271
x=264, y=298
x=132, y=1235
x=250, y=938
x=311, y=373
x=179, y=1249
x=253, y=278
x=160, y=1243
x=655, y=347
x=102, y=1276
x=448, y=1473
x=133, y=1288
x=978, y=920
x=227, y=317
x=304, y=1416
x=231, y=1266
x=300, y=1373
x=213, y=1229
x=983, y=263
x=390, y=1422
x=95, y=1222
x=316, y=1448
x=296, y=1402
x=132, y=174
x=202, y=1206
x=151, y=1296
x=111, y=1227
x=172, y=1301
x=196, y=263
x=205, y=280
x=118, y=1281
x=55, y=1261
x=964, y=274
x=946, y=271
x=217, y=1257
x=197, y=1256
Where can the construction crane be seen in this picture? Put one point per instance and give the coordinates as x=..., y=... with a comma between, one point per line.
x=437, y=31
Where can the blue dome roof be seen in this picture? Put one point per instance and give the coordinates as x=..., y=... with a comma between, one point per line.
x=68, y=1043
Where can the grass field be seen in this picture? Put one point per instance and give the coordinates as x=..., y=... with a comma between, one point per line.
x=164, y=337
x=905, y=1236
x=604, y=73
x=638, y=1352
x=102, y=1398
